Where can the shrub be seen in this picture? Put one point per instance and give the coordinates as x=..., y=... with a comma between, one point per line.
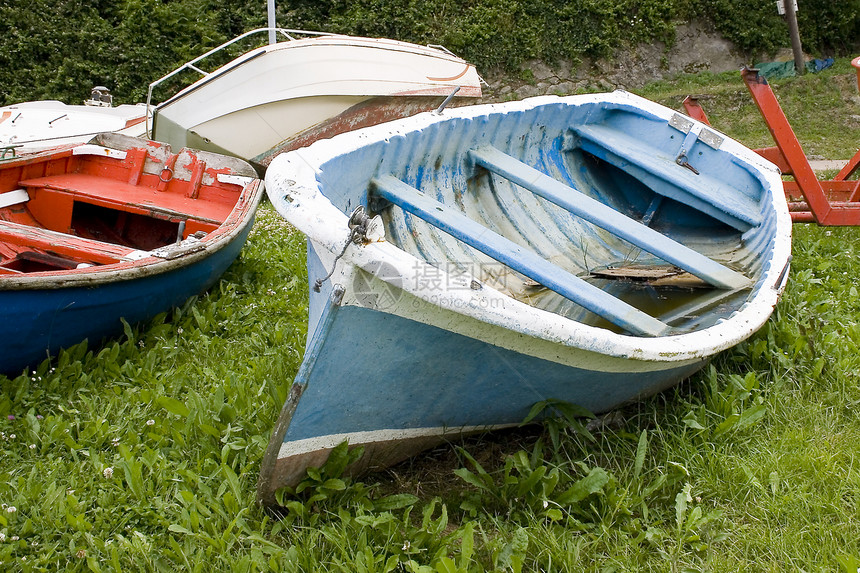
x=825, y=27
x=59, y=49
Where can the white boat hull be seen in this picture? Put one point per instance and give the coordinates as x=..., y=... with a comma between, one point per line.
x=35, y=126
x=279, y=91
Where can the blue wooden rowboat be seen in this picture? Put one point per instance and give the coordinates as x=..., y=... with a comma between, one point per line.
x=117, y=228
x=592, y=249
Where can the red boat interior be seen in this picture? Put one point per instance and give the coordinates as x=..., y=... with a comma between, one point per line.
x=75, y=208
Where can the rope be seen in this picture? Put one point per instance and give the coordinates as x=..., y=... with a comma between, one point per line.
x=358, y=223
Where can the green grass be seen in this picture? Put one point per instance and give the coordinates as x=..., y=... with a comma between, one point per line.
x=822, y=108
x=142, y=454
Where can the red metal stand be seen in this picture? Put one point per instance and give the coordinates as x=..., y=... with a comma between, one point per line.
x=856, y=63
x=826, y=202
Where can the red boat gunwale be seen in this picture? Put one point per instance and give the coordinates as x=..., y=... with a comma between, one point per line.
x=77, y=209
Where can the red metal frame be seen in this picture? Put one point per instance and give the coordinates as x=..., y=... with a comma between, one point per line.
x=856, y=63
x=826, y=202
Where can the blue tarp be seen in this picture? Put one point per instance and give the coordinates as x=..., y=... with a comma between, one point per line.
x=777, y=70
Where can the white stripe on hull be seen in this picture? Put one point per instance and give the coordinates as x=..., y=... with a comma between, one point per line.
x=300, y=447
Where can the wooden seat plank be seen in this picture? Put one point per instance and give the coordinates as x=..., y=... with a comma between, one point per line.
x=132, y=198
x=15, y=233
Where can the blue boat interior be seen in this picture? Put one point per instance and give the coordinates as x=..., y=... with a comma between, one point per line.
x=605, y=214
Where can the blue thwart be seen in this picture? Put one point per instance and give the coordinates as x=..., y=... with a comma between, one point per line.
x=465, y=266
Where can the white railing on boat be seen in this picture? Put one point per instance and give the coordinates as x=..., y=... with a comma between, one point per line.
x=289, y=34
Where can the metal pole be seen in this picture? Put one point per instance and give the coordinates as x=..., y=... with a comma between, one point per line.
x=796, y=48
x=270, y=5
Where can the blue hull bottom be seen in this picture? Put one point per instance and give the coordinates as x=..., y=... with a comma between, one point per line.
x=38, y=323
x=388, y=382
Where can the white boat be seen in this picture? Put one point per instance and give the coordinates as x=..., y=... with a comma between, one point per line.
x=34, y=126
x=469, y=266
x=287, y=94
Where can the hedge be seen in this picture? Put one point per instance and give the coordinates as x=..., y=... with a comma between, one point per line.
x=59, y=49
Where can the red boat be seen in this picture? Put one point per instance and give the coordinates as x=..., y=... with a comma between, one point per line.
x=118, y=228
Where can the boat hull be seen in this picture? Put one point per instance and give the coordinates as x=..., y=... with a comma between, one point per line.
x=366, y=113
x=41, y=321
x=479, y=301
x=271, y=95
x=35, y=126
x=434, y=385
